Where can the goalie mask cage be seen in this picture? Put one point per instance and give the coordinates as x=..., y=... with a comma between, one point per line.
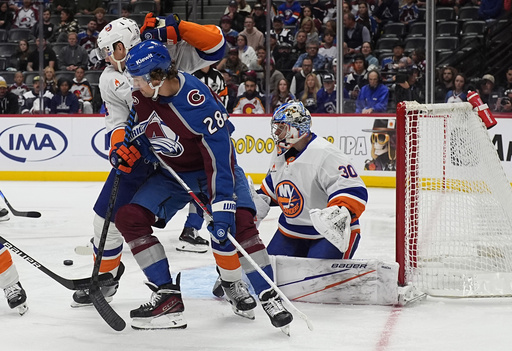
x=454, y=204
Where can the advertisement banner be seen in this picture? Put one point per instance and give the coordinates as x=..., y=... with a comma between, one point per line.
x=76, y=148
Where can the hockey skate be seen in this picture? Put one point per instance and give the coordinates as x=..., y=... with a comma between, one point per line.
x=409, y=295
x=190, y=241
x=16, y=297
x=273, y=306
x=4, y=215
x=81, y=298
x=217, y=288
x=237, y=294
x=163, y=311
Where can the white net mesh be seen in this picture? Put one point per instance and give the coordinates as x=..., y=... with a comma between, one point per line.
x=458, y=204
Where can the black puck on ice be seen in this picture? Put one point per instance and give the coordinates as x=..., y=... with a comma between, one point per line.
x=68, y=262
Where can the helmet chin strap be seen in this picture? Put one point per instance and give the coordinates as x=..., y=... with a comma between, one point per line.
x=118, y=62
x=155, y=95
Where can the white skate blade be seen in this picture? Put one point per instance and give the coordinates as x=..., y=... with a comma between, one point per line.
x=22, y=309
x=83, y=250
x=183, y=246
x=166, y=321
x=4, y=218
x=286, y=329
x=245, y=314
x=75, y=304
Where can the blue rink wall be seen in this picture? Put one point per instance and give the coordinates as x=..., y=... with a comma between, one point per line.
x=75, y=148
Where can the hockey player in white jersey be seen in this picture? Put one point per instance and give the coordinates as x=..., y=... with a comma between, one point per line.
x=193, y=47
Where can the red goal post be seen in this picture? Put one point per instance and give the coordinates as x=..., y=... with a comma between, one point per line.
x=453, y=203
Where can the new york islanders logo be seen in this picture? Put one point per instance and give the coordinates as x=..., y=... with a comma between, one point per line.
x=290, y=199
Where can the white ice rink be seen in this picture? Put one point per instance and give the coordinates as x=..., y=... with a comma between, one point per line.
x=51, y=324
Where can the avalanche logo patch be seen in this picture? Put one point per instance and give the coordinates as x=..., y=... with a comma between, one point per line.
x=162, y=138
x=290, y=199
x=195, y=98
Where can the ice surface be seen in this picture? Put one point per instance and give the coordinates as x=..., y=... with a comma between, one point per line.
x=50, y=324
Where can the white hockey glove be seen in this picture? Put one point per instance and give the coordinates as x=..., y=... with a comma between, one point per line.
x=261, y=201
x=333, y=223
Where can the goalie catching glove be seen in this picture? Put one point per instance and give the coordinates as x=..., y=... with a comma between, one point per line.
x=165, y=31
x=223, y=213
x=333, y=223
x=261, y=201
x=123, y=157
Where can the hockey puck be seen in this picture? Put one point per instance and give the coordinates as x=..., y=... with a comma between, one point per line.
x=68, y=262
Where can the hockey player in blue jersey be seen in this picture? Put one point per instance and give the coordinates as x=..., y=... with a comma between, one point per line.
x=187, y=126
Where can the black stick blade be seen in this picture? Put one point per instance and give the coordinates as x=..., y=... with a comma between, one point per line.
x=105, y=310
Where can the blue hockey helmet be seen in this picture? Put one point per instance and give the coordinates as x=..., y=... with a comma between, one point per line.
x=290, y=123
x=146, y=57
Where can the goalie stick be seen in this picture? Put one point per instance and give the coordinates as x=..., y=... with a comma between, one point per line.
x=72, y=284
x=239, y=247
x=30, y=214
x=106, y=311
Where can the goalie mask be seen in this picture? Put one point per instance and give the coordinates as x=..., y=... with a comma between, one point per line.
x=122, y=30
x=144, y=58
x=290, y=123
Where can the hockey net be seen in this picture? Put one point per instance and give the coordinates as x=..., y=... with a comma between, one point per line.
x=454, y=204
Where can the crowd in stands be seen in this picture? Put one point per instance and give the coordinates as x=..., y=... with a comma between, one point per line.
x=303, y=50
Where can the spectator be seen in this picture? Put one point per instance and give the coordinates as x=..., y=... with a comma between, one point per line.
x=328, y=49
x=317, y=7
x=281, y=95
x=283, y=35
x=64, y=101
x=68, y=24
x=229, y=33
x=19, y=59
x=308, y=95
x=326, y=96
x=72, y=55
x=253, y=36
x=237, y=19
x=241, y=7
x=319, y=61
x=358, y=78
x=99, y=15
x=50, y=81
x=504, y=105
x=87, y=7
x=275, y=77
x=273, y=8
x=261, y=55
x=246, y=53
x=19, y=87
x=355, y=33
x=126, y=10
x=58, y=5
x=330, y=11
x=487, y=92
x=363, y=17
x=6, y=16
x=308, y=26
x=406, y=86
x=49, y=57
x=8, y=101
x=418, y=59
x=250, y=102
x=458, y=93
x=390, y=64
x=31, y=100
x=307, y=11
x=373, y=97
x=48, y=26
x=408, y=13
x=259, y=17
x=386, y=11
x=507, y=85
x=27, y=16
x=445, y=83
x=82, y=90
x=88, y=37
x=348, y=8
x=297, y=84
x=299, y=47
x=285, y=61
x=289, y=11
x=490, y=9
x=233, y=65
x=367, y=51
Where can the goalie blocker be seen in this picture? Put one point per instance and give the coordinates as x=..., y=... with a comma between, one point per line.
x=357, y=282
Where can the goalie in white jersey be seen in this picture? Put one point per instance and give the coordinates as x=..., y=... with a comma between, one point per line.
x=320, y=194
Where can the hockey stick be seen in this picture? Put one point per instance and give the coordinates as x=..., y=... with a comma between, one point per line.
x=72, y=284
x=106, y=311
x=31, y=214
x=239, y=247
